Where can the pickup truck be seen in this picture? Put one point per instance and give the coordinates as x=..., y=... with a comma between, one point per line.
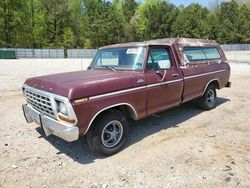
x=124, y=82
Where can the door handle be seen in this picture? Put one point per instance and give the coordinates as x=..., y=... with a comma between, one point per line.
x=175, y=75
x=140, y=81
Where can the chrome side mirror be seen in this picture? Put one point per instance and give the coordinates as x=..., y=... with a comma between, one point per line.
x=164, y=74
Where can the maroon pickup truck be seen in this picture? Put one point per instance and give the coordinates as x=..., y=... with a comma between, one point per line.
x=125, y=81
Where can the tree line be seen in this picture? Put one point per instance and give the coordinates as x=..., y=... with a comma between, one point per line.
x=94, y=23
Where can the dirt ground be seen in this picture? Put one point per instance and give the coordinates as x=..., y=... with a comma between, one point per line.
x=183, y=147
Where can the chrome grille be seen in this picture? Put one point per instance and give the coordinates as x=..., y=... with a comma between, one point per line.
x=40, y=102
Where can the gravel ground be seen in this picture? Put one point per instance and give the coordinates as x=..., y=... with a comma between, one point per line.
x=182, y=147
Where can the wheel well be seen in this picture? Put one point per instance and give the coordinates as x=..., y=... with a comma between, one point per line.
x=215, y=83
x=126, y=109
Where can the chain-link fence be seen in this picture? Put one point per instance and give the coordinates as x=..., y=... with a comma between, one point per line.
x=37, y=53
x=235, y=52
x=51, y=53
x=81, y=53
x=236, y=47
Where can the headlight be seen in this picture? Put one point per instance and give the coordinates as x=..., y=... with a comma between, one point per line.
x=62, y=108
x=63, y=113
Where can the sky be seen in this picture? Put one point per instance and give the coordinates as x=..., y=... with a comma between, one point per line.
x=188, y=2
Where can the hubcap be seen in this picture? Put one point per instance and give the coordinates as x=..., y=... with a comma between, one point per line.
x=210, y=97
x=112, y=134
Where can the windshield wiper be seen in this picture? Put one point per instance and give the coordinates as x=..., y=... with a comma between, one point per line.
x=111, y=68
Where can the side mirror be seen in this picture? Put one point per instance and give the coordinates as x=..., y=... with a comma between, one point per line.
x=163, y=76
x=164, y=64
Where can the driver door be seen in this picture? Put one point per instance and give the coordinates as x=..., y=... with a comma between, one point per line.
x=164, y=80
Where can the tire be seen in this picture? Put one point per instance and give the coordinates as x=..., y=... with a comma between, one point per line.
x=208, y=100
x=108, y=133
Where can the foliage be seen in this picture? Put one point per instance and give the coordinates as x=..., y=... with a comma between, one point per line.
x=154, y=19
x=11, y=13
x=94, y=23
x=192, y=22
x=244, y=24
x=68, y=38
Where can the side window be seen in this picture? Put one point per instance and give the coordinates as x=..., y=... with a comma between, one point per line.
x=212, y=53
x=159, y=57
x=195, y=54
x=201, y=54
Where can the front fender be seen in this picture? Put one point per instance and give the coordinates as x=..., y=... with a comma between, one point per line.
x=88, y=111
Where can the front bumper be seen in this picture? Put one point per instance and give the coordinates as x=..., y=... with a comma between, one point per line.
x=50, y=126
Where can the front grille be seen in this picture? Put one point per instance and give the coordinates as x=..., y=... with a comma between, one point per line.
x=40, y=102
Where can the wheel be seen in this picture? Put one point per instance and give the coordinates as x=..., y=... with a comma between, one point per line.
x=208, y=100
x=108, y=133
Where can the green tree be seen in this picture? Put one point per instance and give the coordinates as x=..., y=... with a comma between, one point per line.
x=57, y=17
x=244, y=24
x=214, y=27
x=127, y=11
x=29, y=17
x=162, y=16
x=94, y=23
x=69, y=38
x=228, y=18
x=10, y=21
x=78, y=21
x=87, y=44
x=192, y=22
x=103, y=24
x=91, y=13
x=128, y=8
x=154, y=19
x=39, y=29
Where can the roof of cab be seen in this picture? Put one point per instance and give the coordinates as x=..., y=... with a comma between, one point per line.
x=167, y=41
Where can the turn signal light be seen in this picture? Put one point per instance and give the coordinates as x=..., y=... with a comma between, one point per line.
x=83, y=100
x=66, y=119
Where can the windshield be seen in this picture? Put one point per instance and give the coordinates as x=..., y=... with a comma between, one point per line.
x=120, y=58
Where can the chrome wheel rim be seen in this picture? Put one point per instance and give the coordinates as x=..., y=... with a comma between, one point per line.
x=112, y=134
x=210, y=97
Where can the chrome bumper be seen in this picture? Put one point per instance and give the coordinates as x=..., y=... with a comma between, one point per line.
x=50, y=126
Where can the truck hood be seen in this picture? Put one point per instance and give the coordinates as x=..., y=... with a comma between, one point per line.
x=75, y=85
